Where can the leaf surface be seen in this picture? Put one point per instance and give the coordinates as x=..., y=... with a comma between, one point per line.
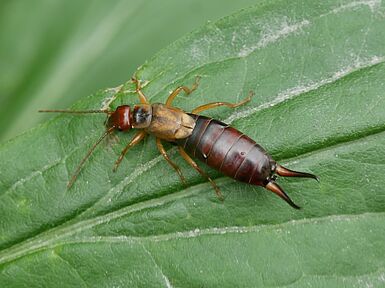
x=318, y=73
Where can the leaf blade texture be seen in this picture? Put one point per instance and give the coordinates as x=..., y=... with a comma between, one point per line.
x=319, y=107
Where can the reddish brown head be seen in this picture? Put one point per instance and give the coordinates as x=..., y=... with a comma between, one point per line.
x=120, y=118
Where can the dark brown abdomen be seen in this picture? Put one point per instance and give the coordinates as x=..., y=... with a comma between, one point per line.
x=229, y=151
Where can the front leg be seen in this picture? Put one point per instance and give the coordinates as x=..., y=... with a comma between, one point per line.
x=139, y=136
x=138, y=90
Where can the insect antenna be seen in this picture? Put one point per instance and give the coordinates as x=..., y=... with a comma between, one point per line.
x=76, y=111
x=76, y=173
x=108, y=131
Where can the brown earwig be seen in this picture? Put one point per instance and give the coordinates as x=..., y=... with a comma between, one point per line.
x=220, y=146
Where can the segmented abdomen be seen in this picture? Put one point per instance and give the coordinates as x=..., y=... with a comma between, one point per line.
x=228, y=150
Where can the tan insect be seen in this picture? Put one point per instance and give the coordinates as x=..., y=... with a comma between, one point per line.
x=218, y=145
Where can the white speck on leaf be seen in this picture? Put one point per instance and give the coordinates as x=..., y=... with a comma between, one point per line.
x=270, y=35
x=372, y=4
x=301, y=89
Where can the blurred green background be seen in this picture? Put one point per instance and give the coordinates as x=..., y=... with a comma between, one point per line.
x=53, y=52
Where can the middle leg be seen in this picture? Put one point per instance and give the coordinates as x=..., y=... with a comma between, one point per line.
x=137, y=138
x=138, y=90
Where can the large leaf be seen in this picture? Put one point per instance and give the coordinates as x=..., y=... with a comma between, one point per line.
x=318, y=72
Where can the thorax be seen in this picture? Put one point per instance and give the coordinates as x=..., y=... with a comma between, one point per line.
x=167, y=123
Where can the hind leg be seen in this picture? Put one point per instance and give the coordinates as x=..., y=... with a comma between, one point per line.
x=167, y=158
x=218, y=104
x=193, y=164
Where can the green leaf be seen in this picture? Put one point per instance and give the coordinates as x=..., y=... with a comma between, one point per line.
x=318, y=72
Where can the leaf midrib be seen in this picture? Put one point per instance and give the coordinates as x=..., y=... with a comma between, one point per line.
x=187, y=234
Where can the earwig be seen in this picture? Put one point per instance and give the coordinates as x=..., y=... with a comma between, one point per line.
x=220, y=146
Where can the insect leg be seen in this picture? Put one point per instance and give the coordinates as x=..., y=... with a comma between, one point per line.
x=138, y=89
x=173, y=165
x=187, y=90
x=199, y=109
x=200, y=171
x=137, y=138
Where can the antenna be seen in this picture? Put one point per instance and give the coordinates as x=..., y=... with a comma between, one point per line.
x=76, y=112
x=108, y=131
x=75, y=175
